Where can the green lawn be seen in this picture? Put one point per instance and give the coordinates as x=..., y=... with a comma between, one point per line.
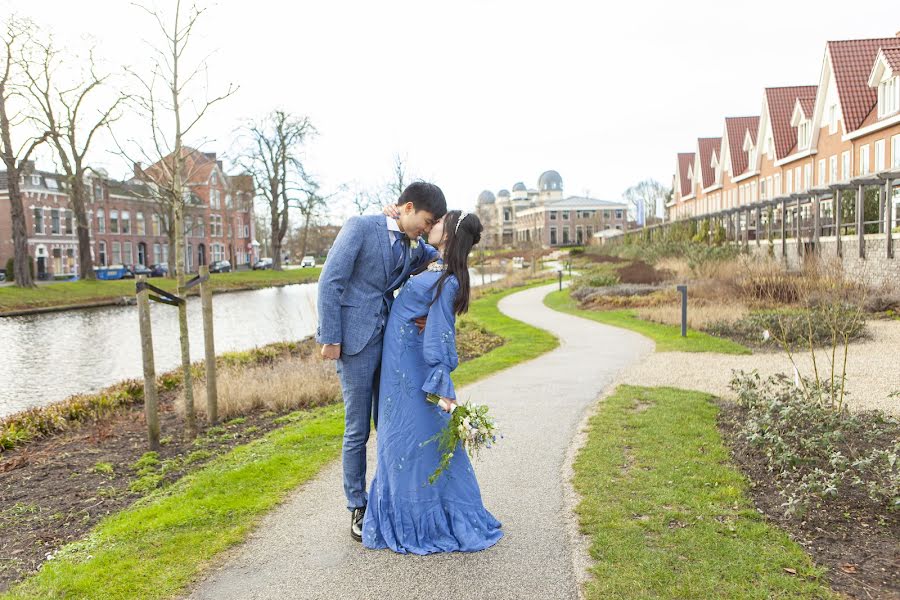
x=668, y=517
x=67, y=293
x=156, y=547
x=667, y=337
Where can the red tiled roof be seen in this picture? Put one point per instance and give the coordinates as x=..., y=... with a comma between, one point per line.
x=892, y=56
x=851, y=62
x=685, y=160
x=808, y=105
x=781, y=102
x=707, y=147
x=197, y=167
x=737, y=127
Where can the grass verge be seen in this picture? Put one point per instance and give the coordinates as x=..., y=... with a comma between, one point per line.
x=157, y=546
x=667, y=337
x=668, y=517
x=69, y=293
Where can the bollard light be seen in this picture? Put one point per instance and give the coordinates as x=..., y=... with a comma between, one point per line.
x=683, y=290
x=560, y=272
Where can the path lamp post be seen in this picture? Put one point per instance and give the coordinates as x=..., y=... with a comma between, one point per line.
x=560, y=273
x=683, y=290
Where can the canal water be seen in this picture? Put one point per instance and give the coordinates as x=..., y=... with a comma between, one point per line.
x=48, y=357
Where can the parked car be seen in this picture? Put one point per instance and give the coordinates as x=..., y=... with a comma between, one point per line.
x=111, y=272
x=159, y=270
x=132, y=271
x=220, y=266
x=263, y=263
x=308, y=261
x=2, y=275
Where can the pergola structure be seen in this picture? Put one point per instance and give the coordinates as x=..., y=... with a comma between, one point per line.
x=800, y=216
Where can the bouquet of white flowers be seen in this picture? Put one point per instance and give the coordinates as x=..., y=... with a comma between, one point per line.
x=470, y=424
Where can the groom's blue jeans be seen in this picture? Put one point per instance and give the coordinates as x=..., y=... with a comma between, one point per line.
x=359, y=375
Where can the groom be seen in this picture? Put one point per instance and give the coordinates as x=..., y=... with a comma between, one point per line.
x=370, y=258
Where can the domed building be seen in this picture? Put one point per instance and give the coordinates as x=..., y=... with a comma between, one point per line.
x=544, y=216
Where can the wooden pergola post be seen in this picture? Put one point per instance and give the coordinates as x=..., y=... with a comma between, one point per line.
x=816, y=207
x=838, y=207
x=783, y=227
x=758, y=222
x=797, y=225
x=888, y=216
x=860, y=219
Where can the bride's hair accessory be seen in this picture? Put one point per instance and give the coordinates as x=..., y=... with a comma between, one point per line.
x=462, y=215
x=437, y=266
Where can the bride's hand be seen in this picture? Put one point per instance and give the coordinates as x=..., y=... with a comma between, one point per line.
x=448, y=404
x=392, y=211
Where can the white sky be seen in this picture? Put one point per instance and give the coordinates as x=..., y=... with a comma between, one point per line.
x=481, y=94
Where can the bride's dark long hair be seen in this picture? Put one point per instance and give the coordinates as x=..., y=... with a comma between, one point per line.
x=458, y=242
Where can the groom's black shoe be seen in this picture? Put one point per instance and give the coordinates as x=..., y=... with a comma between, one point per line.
x=356, y=521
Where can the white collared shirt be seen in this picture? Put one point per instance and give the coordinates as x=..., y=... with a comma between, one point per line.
x=392, y=225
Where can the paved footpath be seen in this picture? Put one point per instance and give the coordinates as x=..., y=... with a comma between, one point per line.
x=303, y=548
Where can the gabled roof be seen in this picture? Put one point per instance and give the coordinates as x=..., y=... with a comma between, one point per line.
x=685, y=160
x=197, y=167
x=708, y=146
x=851, y=63
x=780, y=101
x=736, y=129
x=892, y=57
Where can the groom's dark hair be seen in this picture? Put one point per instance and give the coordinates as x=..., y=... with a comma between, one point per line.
x=425, y=196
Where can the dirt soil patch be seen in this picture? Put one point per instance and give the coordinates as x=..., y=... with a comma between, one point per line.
x=640, y=272
x=860, y=548
x=52, y=490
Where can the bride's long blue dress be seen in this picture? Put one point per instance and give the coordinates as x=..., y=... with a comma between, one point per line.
x=405, y=513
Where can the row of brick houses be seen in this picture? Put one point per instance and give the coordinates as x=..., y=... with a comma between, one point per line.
x=127, y=226
x=543, y=216
x=807, y=141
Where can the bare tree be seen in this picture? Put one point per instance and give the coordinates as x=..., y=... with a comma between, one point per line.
x=398, y=181
x=17, y=32
x=59, y=108
x=310, y=207
x=644, y=198
x=272, y=155
x=363, y=200
x=173, y=110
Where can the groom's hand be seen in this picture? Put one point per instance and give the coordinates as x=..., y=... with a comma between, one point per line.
x=420, y=323
x=331, y=351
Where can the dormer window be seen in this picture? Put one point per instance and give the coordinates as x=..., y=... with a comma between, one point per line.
x=889, y=97
x=803, y=134
x=832, y=119
x=35, y=180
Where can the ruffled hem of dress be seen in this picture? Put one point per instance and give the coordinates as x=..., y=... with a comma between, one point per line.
x=438, y=382
x=439, y=529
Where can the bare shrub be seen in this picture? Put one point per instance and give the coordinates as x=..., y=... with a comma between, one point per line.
x=701, y=314
x=281, y=386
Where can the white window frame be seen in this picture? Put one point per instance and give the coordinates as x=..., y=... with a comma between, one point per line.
x=889, y=97
x=845, y=165
x=895, y=151
x=832, y=168
x=879, y=156
x=864, y=163
x=821, y=169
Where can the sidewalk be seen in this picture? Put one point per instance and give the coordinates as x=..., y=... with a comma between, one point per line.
x=303, y=548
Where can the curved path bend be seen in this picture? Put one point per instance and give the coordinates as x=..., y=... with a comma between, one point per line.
x=303, y=548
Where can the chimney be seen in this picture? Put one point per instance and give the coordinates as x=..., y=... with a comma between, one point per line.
x=210, y=155
x=26, y=167
x=138, y=170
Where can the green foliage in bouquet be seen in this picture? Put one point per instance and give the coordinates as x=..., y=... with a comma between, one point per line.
x=471, y=425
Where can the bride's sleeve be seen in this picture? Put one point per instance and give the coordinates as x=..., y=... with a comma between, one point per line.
x=439, y=344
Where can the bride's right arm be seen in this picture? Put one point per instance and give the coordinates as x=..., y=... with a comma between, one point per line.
x=439, y=344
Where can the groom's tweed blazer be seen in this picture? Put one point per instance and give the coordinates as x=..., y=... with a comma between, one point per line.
x=356, y=287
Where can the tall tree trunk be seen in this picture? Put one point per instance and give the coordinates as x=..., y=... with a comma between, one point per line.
x=305, y=237
x=276, y=242
x=77, y=196
x=21, y=270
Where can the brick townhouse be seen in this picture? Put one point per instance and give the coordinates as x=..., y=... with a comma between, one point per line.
x=127, y=226
x=807, y=137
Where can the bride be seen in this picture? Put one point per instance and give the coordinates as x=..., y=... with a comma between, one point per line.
x=405, y=513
